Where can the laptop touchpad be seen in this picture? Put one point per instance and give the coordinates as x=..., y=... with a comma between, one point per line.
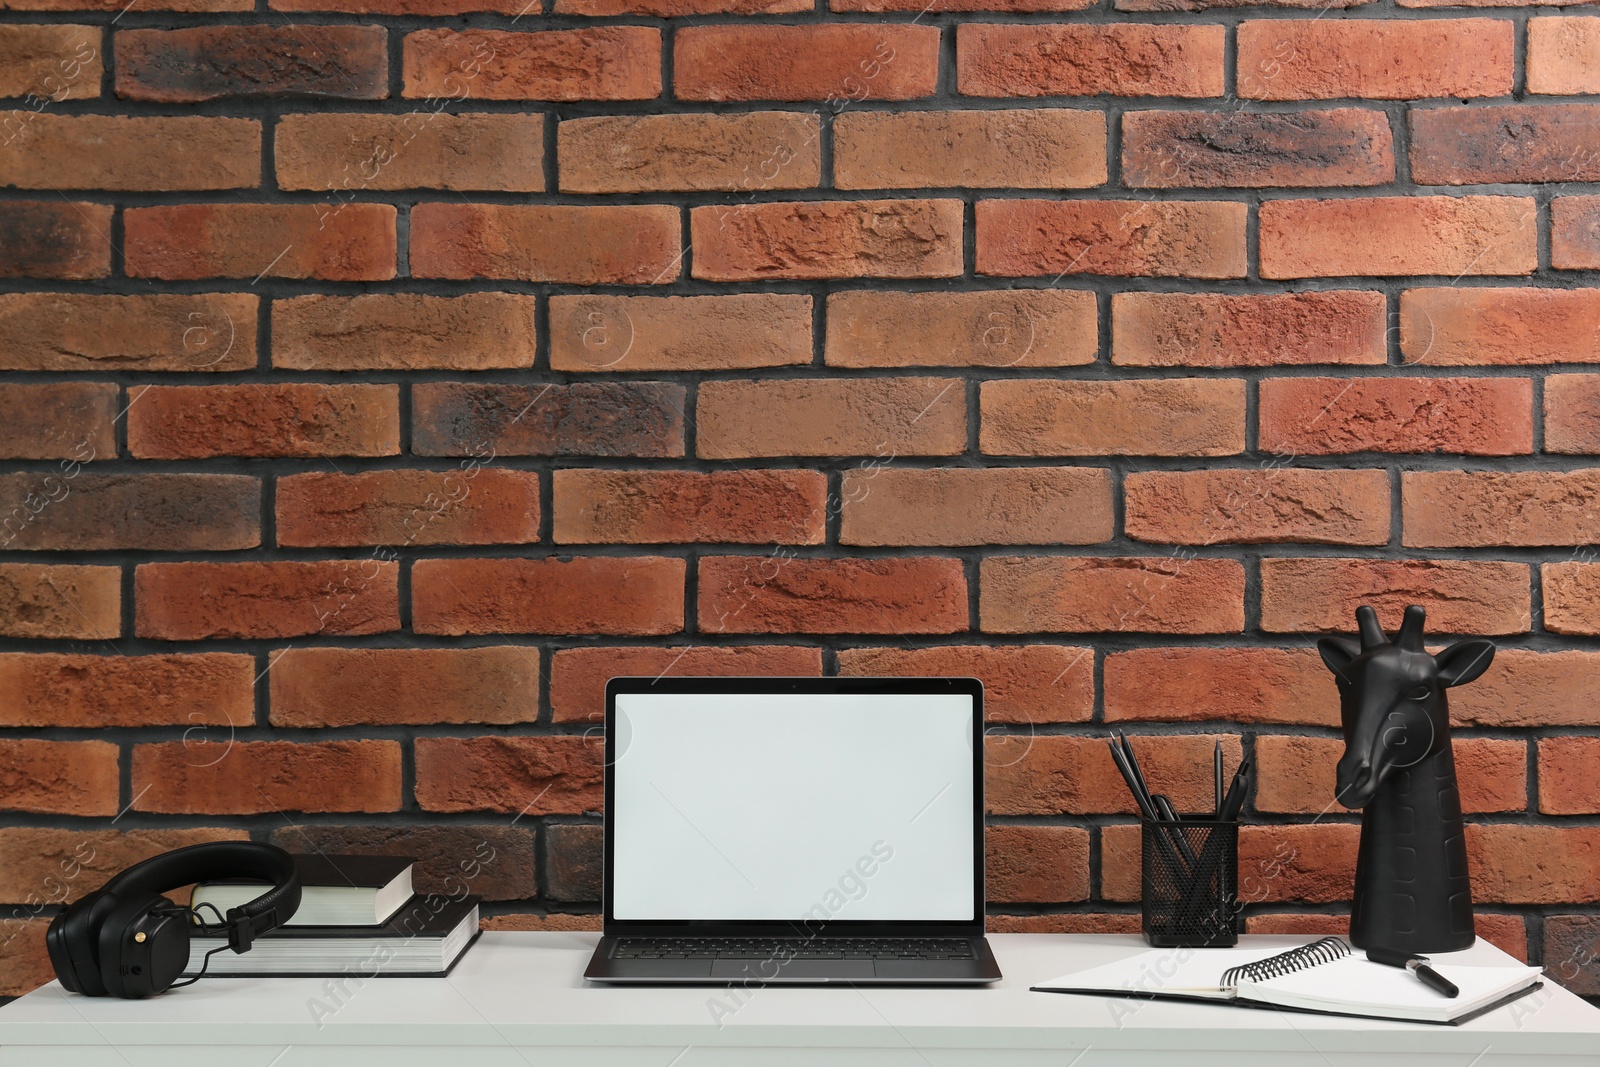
x=793, y=970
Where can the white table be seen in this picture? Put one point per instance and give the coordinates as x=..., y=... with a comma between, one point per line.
x=518, y=1000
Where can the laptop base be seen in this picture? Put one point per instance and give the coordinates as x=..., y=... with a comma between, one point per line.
x=774, y=969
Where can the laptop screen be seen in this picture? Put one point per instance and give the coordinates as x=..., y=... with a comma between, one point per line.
x=810, y=806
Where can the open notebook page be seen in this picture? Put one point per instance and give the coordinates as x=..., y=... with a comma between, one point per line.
x=1187, y=972
x=1355, y=984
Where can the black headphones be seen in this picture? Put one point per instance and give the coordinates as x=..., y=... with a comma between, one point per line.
x=127, y=940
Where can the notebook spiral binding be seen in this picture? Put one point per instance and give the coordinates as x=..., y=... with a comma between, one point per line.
x=1297, y=959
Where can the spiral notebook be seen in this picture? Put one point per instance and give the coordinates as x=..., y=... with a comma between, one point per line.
x=1324, y=976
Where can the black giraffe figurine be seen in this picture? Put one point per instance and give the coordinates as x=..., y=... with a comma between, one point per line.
x=1412, y=891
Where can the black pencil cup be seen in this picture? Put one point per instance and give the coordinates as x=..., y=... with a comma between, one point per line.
x=1189, y=889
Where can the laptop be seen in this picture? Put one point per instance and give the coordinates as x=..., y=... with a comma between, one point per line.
x=794, y=830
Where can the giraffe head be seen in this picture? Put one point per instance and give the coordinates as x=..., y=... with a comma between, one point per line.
x=1392, y=699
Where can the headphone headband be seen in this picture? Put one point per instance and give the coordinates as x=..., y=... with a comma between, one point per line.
x=247, y=859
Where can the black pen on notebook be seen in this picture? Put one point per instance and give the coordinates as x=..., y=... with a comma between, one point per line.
x=1417, y=965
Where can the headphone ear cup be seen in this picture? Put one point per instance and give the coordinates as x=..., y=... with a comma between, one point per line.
x=73, y=941
x=132, y=966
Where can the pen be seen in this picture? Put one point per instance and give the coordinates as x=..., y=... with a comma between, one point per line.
x=1169, y=813
x=1216, y=776
x=1138, y=772
x=1234, y=801
x=1417, y=965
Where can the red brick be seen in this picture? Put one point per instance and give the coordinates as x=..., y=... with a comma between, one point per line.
x=1572, y=952
x=1085, y=594
x=423, y=8
x=94, y=691
x=1154, y=417
x=1481, y=509
x=493, y=860
x=60, y=601
x=1523, y=688
x=520, y=775
x=922, y=6
x=1312, y=864
x=827, y=239
x=118, y=5
x=1217, y=330
x=720, y=507
x=604, y=63
x=989, y=328
x=58, y=420
x=1397, y=235
x=47, y=865
x=1222, y=5
x=1123, y=60
x=554, y=921
x=314, y=687
x=1575, y=233
x=967, y=506
x=1054, y=148
x=1505, y=143
x=1564, y=57
x=1571, y=596
x=675, y=8
x=1070, y=922
x=137, y=154
x=623, y=244
x=59, y=777
x=203, y=332
x=196, y=601
x=162, y=512
x=1330, y=416
x=262, y=419
x=1462, y=596
x=778, y=593
x=490, y=419
x=266, y=777
x=578, y=676
x=54, y=239
x=1124, y=238
x=587, y=595
x=1572, y=413
x=748, y=152
x=883, y=417
x=1314, y=924
x=842, y=62
x=1518, y=864
x=1473, y=326
x=50, y=63
x=574, y=861
x=347, y=242
x=1048, y=774
x=24, y=959
x=404, y=331
x=1233, y=149
x=627, y=334
x=206, y=62
x=1257, y=506
x=466, y=506
x=1036, y=864
x=1567, y=782
x=1379, y=59
x=1297, y=774
x=1235, y=685
x=346, y=154
x=1021, y=683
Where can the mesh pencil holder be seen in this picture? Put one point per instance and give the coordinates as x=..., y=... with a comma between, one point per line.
x=1189, y=889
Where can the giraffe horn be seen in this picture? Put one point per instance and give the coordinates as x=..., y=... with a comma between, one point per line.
x=1411, y=629
x=1371, y=633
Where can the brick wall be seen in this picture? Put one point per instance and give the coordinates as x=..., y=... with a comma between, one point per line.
x=382, y=375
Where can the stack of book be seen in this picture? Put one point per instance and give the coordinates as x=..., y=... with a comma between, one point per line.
x=357, y=915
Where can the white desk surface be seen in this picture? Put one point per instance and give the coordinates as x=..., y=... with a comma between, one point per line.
x=519, y=1000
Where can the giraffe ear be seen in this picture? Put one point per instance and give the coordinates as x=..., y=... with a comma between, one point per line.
x=1336, y=653
x=1464, y=661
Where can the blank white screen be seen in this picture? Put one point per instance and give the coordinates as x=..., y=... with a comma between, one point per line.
x=769, y=806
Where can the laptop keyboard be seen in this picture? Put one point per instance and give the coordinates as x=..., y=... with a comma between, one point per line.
x=799, y=948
